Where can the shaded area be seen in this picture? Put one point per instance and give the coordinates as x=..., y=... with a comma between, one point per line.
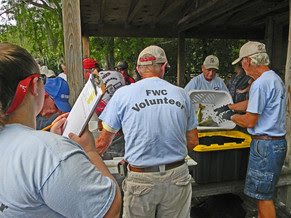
x=224, y=206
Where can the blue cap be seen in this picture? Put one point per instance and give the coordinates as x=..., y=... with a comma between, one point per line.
x=58, y=88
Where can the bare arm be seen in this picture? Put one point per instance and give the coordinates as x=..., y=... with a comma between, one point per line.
x=87, y=142
x=192, y=139
x=248, y=120
x=103, y=141
x=240, y=106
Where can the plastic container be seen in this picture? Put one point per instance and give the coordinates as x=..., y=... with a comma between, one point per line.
x=210, y=100
x=221, y=156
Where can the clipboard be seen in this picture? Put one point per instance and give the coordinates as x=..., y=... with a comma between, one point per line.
x=85, y=105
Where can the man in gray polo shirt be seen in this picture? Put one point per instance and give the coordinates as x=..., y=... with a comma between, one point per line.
x=208, y=79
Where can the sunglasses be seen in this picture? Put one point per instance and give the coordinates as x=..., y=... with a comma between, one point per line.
x=21, y=91
x=43, y=78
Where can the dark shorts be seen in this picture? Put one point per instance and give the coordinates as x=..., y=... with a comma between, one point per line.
x=264, y=168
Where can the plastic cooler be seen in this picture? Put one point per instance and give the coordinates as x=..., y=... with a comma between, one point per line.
x=221, y=156
x=222, y=153
x=211, y=100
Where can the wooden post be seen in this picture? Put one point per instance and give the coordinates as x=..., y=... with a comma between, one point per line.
x=288, y=89
x=73, y=47
x=181, y=60
x=278, y=48
x=269, y=36
x=86, y=47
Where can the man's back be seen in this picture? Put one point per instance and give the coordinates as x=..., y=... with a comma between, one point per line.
x=155, y=116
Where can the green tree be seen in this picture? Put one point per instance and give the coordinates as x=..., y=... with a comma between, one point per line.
x=38, y=28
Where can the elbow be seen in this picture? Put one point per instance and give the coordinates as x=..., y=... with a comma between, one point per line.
x=115, y=208
x=193, y=144
x=251, y=123
x=196, y=142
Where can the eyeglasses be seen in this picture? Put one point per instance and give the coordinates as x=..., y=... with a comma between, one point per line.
x=43, y=78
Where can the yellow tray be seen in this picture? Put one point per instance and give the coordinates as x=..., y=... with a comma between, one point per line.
x=226, y=146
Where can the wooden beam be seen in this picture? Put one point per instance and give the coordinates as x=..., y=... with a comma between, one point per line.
x=86, y=46
x=73, y=48
x=136, y=9
x=234, y=15
x=278, y=56
x=131, y=31
x=269, y=9
x=269, y=36
x=101, y=12
x=288, y=89
x=217, y=32
x=181, y=60
x=226, y=32
x=170, y=8
x=215, y=10
x=198, y=11
x=130, y=11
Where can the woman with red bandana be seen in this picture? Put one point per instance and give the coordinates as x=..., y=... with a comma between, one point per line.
x=44, y=174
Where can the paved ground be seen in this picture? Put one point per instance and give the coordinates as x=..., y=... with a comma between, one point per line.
x=230, y=206
x=250, y=206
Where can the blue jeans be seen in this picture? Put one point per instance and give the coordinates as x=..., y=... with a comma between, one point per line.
x=264, y=168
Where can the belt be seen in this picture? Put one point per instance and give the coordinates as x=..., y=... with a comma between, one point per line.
x=156, y=168
x=266, y=137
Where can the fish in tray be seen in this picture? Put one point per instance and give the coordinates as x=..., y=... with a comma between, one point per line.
x=199, y=113
x=208, y=122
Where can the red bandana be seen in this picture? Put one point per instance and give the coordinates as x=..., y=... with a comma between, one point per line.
x=21, y=91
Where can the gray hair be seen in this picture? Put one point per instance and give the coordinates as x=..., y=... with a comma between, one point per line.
x=150, y=68
x=260, y=59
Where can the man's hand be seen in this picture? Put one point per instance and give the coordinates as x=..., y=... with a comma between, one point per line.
x=221, y=109
x=227, y=115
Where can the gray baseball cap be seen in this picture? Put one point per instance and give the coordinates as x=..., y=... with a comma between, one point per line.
x=211, y=61
x=250, y=48
x=157, y=54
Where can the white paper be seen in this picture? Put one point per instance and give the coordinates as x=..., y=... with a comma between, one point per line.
x=84, y=107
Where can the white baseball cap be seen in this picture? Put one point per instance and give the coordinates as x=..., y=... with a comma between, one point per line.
x=211, y=61
x=250, y=48
x=156, y=53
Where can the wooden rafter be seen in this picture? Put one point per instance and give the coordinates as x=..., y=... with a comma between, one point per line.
x=202, y=16
x=135, y=10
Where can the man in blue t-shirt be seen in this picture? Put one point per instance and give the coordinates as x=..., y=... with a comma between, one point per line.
x=208, y=79
x=159, y=126
x=265, y=119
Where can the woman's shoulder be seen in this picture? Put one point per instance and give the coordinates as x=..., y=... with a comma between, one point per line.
x=39, y=141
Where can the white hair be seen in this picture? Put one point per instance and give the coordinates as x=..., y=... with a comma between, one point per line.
x=260, y=59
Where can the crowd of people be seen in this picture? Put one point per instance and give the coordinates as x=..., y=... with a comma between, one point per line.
x=46, y=174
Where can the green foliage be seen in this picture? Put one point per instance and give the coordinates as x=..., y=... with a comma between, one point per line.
x=38, y=28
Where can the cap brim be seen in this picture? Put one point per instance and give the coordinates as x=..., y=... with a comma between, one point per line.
x=214, y=67
x=236, y=61
x=63, y=106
